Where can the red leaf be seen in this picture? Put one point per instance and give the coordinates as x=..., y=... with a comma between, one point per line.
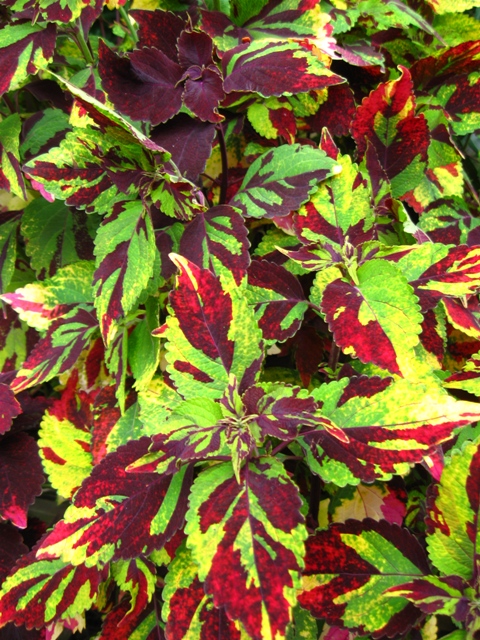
x=9, y=408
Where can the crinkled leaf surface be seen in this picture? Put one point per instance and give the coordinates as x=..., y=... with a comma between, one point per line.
x=250, y=563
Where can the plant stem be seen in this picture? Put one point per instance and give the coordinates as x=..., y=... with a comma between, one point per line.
x=223, y=153
x=128, y=23
x=334, y=356
x=82, y=43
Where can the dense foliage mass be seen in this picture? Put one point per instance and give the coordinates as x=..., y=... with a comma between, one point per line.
x=240, y=324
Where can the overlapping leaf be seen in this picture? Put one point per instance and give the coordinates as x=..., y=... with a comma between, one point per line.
x=66, y=337
x=8, y=248
x=372, y=322
x=242, y=527
x=258, y=66
x=348, y=569
x=387, y=119
x=25, y=48
x=41, y=591
x=374, y=426
x=119, y=515
x=210, y=334
x=278, y=298
x=280, y=180
x=188, y=610
x=11, y=177
x=125, y=255
x=21, y=476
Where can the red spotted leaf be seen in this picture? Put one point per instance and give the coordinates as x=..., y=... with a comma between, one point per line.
x=21, y=476
x=248, y=548
x=121, y=627
x=387, y=119
x=348, y=569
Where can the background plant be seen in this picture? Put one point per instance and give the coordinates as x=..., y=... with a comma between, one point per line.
x=240, y=328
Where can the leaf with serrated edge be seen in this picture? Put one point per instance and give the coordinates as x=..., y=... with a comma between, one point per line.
x=247, y=539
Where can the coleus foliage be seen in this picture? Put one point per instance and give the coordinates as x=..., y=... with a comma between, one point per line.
x=240, y=324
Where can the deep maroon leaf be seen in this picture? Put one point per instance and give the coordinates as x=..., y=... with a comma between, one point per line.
x=159, y=29
x=11, y=548
x=9, y=408
x=21, y=476
x=188, y=140
x=203, y=94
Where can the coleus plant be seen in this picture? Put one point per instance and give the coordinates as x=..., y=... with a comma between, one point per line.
x=240, y=325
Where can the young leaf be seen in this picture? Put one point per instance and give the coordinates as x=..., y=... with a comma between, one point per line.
x=248, y=550
x=125, y=252
x=210, y=334
x=282, y=179
x=348, y=569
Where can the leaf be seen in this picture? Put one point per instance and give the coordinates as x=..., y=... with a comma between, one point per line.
x=12, y=546
x=25, y=48
x=436, y=595
x=8, y=248
x=371, y=322
x=282, y=179
x=348, y=569
x=119, y=515
x=9, y=408
x=21, y=476
x=11, y=177
x=188, y=140
x=336, y=112
x=210, y=334
x=468, y=379
x=188, y=611
x=65, y=439
x=42, y=591
x=125, y=254
x=138, y=578
x=386, y=424
x=248, y=550
x=386, y=119
x=143, y=348
x=177, y=198
x=278, y=298
x=450, y=221
x=275, y=68
x=16, y=340
x=57, y=11
x=339, y=213
x=452, y=522
x=451, y=78
x=273, y=118
x=217, y=240
x=55, y=236
x=146, y=623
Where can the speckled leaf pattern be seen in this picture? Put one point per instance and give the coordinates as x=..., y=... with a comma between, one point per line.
x=386, y=119
x=210, y=334
x=281, y=180
x=386, y=423
x=137, y=577
x=433, y=594
x=250, y=564
x=452, y=524
x=143, y=512
x=188, y=610
x=348, y=569
x=125, y=255
x=374, y=323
